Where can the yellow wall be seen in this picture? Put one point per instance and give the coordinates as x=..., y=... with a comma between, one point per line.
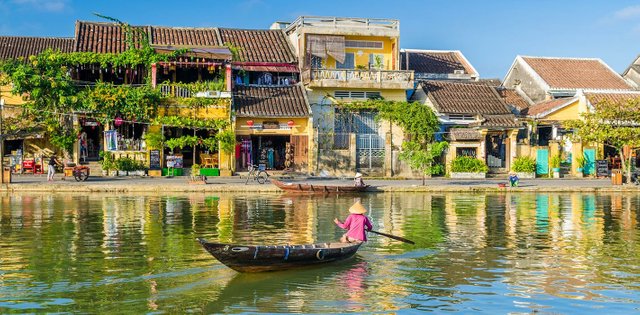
x=220, y=111
x=317, y=94
x=569, y=112
x=389, y=48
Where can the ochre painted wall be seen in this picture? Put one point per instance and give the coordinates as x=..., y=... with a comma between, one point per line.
x=569, y=112
x=389, y=48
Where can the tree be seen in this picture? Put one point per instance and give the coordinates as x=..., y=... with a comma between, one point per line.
x=613, y=123
x=420, y=124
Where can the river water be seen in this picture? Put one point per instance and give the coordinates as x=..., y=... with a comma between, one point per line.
x=487, y=253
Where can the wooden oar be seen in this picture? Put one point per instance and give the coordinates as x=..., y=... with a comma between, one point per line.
x=398, y=238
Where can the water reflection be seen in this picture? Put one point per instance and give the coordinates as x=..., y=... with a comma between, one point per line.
x=487, y=252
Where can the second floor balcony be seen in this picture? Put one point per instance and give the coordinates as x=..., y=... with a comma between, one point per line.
x=359, y=78
x=197, y=89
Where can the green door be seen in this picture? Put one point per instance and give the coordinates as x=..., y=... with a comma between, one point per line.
x=542, y=161
x=589, y=161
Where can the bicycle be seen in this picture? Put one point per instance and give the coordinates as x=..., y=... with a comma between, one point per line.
x=258, y=175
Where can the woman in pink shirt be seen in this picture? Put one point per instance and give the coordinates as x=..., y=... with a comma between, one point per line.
x=356, y=224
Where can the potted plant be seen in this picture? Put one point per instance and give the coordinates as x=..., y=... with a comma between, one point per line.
x=580, y=163
x=196, y=178
x=468, y=167
x=107, y=163
x=524, y=166
x=555, y=166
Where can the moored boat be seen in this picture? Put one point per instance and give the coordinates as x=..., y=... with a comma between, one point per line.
x=305, y=187
x=259, y=258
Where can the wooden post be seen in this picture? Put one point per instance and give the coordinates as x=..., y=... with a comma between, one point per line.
x=154, y=75
x=228, y=77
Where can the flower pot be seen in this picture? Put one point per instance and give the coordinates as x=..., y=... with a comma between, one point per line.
x=579, y=169
x=526, y=175
x=466, y=175
x=556, y=169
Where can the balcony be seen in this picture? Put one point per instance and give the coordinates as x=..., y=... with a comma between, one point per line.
x=345, y=26
x=356, y=78
x=186, y=91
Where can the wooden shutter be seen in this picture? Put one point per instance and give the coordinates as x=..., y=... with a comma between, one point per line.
x=300, y=152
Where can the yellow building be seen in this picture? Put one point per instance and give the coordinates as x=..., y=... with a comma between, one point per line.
x=348, y=60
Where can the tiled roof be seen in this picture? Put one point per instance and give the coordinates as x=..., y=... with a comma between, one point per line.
x=546, y=106
x=464, y=98
x=595, y=98
x=184, y=36
x=512, y=98
x=575, y=73
x=499, y=121
x=260, y=101
x=13, y=47
x=104, y=37
x=260, y=45
x=462, y=134
x=435, y=62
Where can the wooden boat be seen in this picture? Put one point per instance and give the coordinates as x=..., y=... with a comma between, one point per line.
x=259, y=258
x=326, y=189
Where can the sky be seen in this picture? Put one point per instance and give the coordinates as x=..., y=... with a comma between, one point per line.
x=490, y=33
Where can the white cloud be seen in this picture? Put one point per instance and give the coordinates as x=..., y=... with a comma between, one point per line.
x=44, y=5
x=627, y=13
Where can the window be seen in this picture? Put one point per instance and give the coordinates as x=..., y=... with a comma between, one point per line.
x=376, y=61
x=316, y=62
x=461, y=117
x=357, y=94
x=349, y=62
x=471, y=152
x=363, y=44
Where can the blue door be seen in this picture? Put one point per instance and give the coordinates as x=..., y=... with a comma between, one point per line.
x=589, y=161
x=542, y=161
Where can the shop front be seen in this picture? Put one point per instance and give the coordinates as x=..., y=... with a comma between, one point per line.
x=273, y=144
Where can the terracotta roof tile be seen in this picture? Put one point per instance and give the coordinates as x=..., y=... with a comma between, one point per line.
x=260, y=45
x=184, y=36
x=13, y=47
x=260, y=101
x=105, y=37
x=595, y=98
x=499, y=121
x=546, y=106
x=464, y=98
x=435, y=62
x=512, y=98
x=574, y=73
x=462, y=134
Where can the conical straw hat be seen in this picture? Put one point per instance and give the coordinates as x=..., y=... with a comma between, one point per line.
x=357, y=208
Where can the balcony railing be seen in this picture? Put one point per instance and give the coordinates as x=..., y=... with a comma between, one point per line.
x=339, y=22
x=178, y=91
x=348, y=75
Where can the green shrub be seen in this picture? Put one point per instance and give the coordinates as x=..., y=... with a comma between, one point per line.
x=466, y=164
x=108, y=163
x=524, y=164
x=555, y=161
x=581, y=161
x=125, y=164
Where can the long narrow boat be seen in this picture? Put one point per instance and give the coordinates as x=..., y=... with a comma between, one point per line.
x=325, y=189
x=259, y=258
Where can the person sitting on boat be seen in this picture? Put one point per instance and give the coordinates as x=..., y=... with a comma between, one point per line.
x=358, y=182
x=356, y=224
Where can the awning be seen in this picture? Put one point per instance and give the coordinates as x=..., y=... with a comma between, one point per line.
x=326, y=45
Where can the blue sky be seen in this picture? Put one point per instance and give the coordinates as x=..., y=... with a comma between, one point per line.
x=490, y=32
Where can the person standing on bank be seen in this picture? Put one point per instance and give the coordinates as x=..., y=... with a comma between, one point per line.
x=356, y=224
x=52, y=168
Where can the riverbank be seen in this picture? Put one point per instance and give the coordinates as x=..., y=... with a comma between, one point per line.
x=35, y=183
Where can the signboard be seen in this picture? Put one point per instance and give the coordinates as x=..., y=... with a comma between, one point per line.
x=91, y=123
x=270, y=125
x=154, y=159
x=602, y=168
x=174, y=161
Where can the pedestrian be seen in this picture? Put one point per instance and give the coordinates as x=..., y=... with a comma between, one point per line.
x=513, y=179
x=357, y=181
x=356, y=224
x=52, y=168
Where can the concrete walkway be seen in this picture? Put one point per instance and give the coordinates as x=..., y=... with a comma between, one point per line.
x=237, y=184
